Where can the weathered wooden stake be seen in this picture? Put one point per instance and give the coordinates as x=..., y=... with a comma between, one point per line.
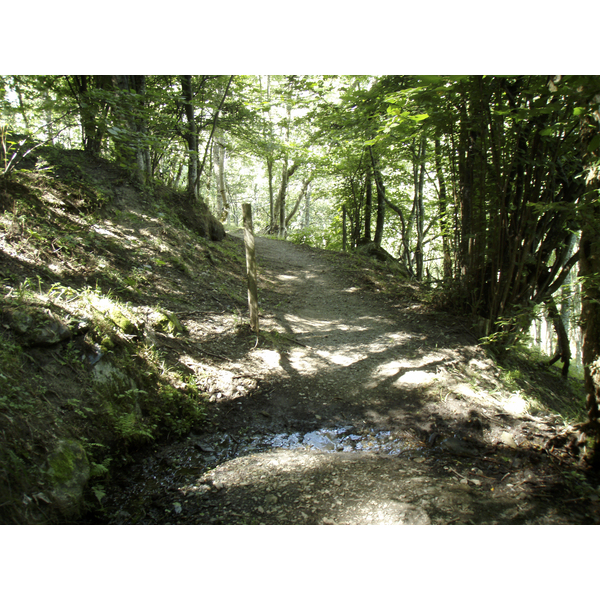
x=251, y=266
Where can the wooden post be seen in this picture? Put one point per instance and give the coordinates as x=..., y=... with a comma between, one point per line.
x=251, y=266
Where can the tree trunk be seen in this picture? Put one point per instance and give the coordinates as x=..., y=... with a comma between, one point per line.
x=92, y=110
x=368, y=205
x=419, y=205
x=380, y=201
x=442, y=210
x=144, y=167
x=563, y=349
x=344, y=232
x=222, y=203
x=280, y=200
x=251, y=270
x=129, y=116
x=294, y=210
x=589, y=267
x=307, y=208
x=271, y=195
x=190, y=135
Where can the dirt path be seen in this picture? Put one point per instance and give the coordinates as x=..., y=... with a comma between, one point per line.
x=365, y=409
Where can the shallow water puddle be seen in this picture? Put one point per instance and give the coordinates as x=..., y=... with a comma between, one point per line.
x=342, y=439
x=172, y=467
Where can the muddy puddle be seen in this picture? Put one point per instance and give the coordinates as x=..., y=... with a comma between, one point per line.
x=141, y=488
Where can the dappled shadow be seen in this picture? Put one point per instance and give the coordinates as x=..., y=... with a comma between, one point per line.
x=329, y=358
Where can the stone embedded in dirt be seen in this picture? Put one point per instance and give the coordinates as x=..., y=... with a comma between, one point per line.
x=204, y=447
x=68, y=473
x=507, y=439
x=457, y=446
x=37, y=329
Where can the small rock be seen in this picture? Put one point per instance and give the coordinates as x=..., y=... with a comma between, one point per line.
x=271, y=499
x=68, y=473
x=204, y=447
x=456, y=446
x=433, y=438
x=507, y=439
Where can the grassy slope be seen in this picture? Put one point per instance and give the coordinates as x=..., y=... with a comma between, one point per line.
x=87, y=257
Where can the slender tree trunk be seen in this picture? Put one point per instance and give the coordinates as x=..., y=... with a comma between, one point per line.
x=420, y=206
x=281, y=198
x=368, y=205
x=344, y=231
x=190, y=135
x=301, y=195
x=380, y=200
x=442, y=210
x=286, y=173
x=222, y=203
x=271, y=194
x=49, y=123
x=563, y=349
x=307, y=208
x=144, y=166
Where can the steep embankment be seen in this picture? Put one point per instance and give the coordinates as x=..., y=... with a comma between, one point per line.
x=134, y=391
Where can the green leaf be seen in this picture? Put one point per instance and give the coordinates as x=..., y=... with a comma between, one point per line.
x=594, y=143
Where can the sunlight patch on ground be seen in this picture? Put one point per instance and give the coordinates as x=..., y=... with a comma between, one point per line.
x=391, y=368
x=101, y=231
x=465, y=390
x=302, y=364
x=338, y=359
x=270, y=357
x=416, y=378
x=305, y=325
x=515, y=405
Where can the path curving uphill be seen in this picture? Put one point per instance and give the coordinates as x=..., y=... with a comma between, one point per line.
x=357, y=405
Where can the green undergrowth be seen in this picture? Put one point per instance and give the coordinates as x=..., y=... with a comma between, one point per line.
x=526, y=371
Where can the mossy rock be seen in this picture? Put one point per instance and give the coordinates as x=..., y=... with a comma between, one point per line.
x=168, y=323
x=37, y=328
x=68, y=473
x=123, y=322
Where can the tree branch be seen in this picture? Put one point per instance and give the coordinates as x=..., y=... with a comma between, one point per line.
x=201, y=169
